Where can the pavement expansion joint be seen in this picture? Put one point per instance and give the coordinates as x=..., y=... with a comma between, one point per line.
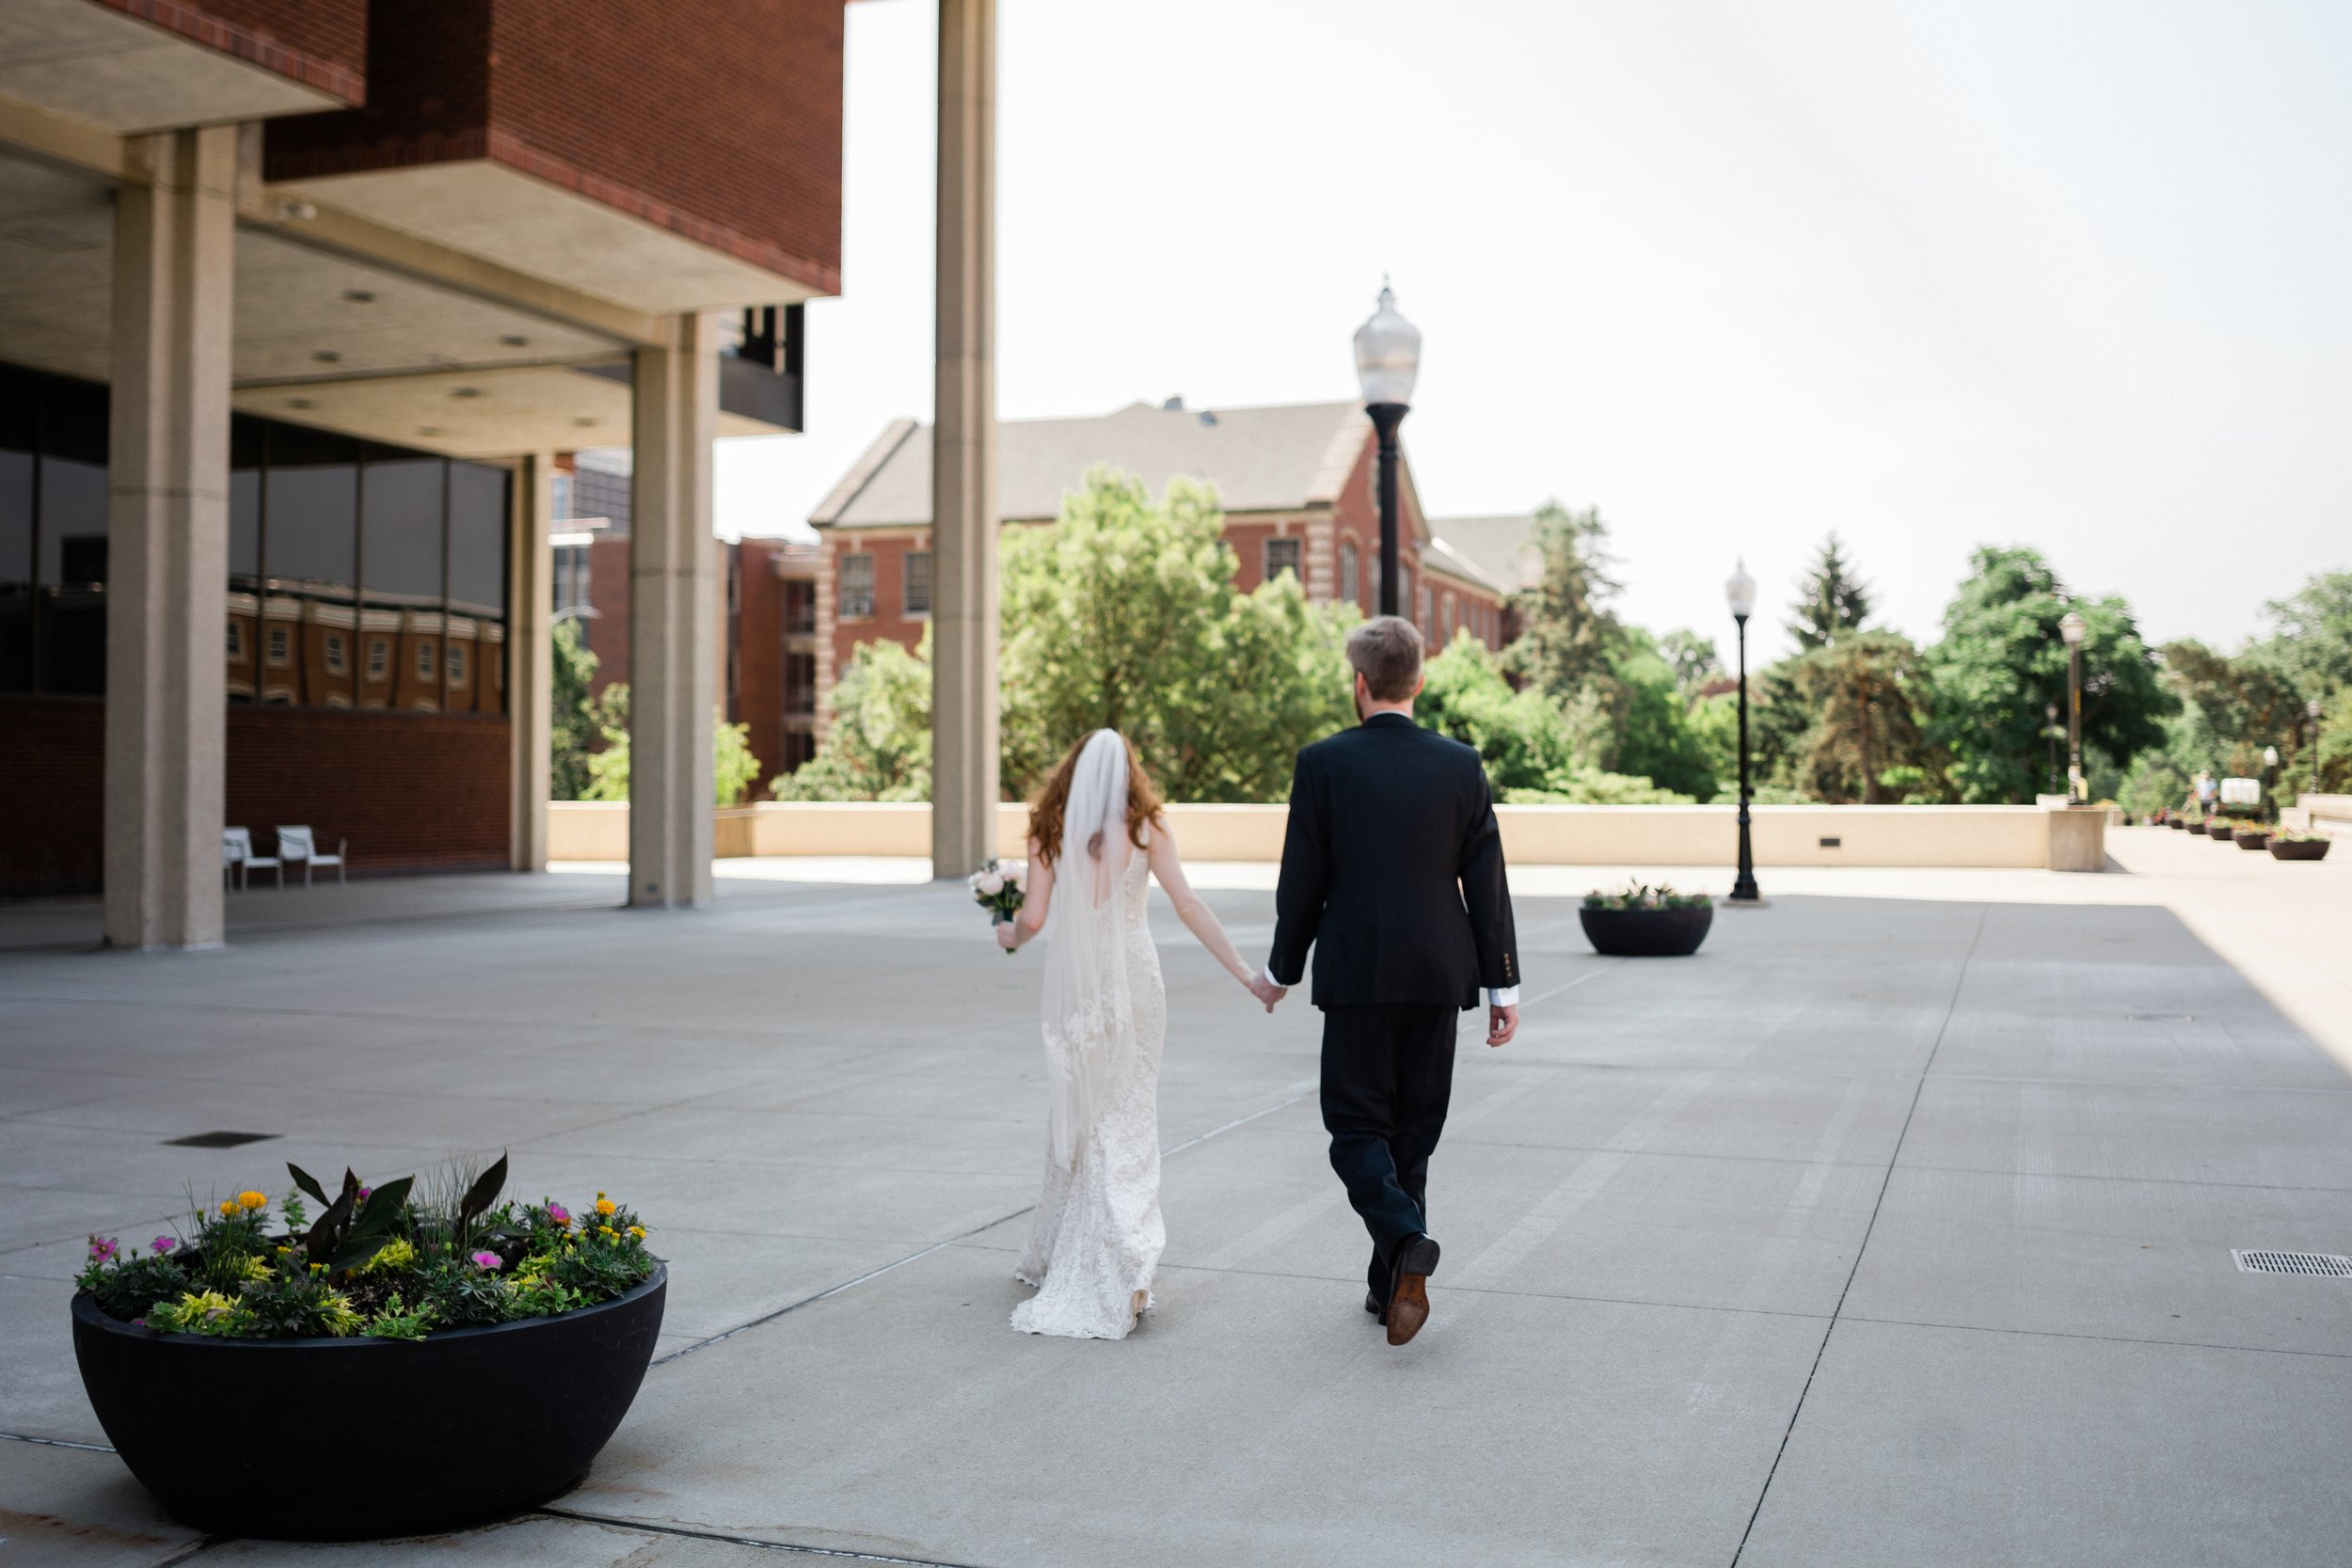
x=842, y=1554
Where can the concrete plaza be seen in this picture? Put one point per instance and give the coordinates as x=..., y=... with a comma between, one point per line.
x=1893, y=1229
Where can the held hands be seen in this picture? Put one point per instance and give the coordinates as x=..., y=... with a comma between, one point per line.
x=1502, y=1023
x=1265, y=991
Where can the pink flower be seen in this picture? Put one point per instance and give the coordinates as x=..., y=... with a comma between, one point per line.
x=164, y=1243
x=486, y=1260
x=366, y=1193
x=104, y=1249
x=558, y=1214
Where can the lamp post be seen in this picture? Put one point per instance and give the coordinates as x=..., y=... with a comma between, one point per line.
x=2050, y=732
x=1741, y=592
x=1388, y=361
x=2071, y=626
x=2312, y=711
x=2269, y=807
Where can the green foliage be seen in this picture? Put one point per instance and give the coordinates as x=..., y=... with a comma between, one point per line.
x=734, y=769
x=2313, y=642
x=1693, y=659
x=1651, y=729
x=1590, y=787
x=879, y=747
x=396, y=1320
x=1642, y=896
x=2001, y=659
x=296, y=1307
x=200, y=1313
x=1570, y=636
x=1833, y=601
x=1124, y=615
x=1519, y=734
x=1866, y=691
x=355, y=1225
x=129, y=1288
x=573, y=724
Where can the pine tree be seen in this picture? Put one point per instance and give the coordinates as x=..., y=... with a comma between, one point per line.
x=1834, y=601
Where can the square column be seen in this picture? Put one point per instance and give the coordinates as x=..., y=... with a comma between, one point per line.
x=964, y=782
x=167, y=547
x=530, y=660
x=673, y=630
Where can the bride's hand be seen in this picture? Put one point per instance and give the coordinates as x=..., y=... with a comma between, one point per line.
x=1007, y=935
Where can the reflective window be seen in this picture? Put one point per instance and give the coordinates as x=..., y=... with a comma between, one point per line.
x=1281, y=555
x=857, y=586
x=246, y=436
x=310, y=518
x=477, y=540
x=1350, y=579
x=399, y=533
x=69, y=529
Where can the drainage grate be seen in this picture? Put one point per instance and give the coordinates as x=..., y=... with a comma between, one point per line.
x=2324, y=1265
x=218, y=1140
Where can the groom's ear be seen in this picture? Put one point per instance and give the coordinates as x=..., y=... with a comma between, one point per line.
x=1421, y=680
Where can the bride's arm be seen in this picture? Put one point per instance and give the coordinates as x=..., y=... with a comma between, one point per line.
x=1037, y=897
x=1197, y=917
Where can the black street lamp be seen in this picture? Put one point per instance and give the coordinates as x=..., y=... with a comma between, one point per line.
x=1741, y=592
x=1388, y=361
x=2050, y=732
x=2071, y=626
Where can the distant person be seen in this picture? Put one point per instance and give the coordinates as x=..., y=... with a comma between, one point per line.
x=1392, y=872
x=1096, y=835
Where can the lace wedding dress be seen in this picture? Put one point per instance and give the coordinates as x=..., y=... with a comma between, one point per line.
x=1097, y=1234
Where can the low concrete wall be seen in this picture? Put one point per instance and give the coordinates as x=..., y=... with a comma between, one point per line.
x=1531, y=835
x=2321, y=813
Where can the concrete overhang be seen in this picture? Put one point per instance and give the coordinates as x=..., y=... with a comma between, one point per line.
x=94, y=64
x=487, y=208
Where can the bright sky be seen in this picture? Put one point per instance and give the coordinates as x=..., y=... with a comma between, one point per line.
x=2071, y=274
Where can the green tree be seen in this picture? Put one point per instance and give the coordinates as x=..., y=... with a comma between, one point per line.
x=1693, y=659
x=733, y=771
x=878, y=745
x=1571, y=635
x=1519, y=734
x=1866, y=690
x=1650, y=721
x=2001, y=659
x=2311, y=645
x=572, y=723
x=1833, y=602
x=1124, y=615
x=2230, y=709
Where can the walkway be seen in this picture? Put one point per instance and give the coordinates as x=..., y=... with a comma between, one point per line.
x=1894, y=1229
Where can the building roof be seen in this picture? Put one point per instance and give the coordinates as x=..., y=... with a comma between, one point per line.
x=1502, y=547
x=1286, y=458
x=1441, y=557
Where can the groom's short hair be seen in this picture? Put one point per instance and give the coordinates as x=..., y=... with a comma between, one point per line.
x=1386, y=651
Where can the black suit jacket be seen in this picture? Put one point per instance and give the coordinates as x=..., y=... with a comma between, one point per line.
x=1393, y=871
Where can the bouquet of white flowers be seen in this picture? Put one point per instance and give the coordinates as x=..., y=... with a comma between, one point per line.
x=998, y=887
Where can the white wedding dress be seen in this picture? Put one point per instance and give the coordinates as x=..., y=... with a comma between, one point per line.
x=1097, y=1233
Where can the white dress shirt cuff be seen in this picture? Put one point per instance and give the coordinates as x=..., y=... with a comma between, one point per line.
x=1503, y=996
x=1267, y=976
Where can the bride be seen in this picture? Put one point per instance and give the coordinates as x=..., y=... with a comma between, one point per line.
x=1094, y=832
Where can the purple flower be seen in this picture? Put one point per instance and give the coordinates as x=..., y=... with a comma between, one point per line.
x=104, y=1249
x=366, y=1193
x=558, y=1214
x=164, y=1243
x=486, y=1260
x=138, y=1322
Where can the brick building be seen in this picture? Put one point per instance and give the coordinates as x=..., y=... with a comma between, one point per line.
x=300, y=301
x=1296, y=482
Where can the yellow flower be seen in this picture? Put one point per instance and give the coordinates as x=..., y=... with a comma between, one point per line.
x=605, y=1205
x=607, y=1230
x=638, y=1231
x=229, y=1206
x=253, y=1201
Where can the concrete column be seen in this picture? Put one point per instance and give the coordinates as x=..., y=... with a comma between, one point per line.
x=963, y=453
x=167, y=549
x=531, y=659
x=673, y=601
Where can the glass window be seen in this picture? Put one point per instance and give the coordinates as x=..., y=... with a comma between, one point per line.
x=477, y=540
x=1351, y=566
x=18, y=442
x=236, y=640
x=400, y=531
x=337, y=660
x=1281, y=555
x=456, y=666
x=857, y=586
x=311, y=514
x=918, y=584
x=245, y=437
x=379, y=657
x=282, y=645
x=424, y=662
x=70, y=531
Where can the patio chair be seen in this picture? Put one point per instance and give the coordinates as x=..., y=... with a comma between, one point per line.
x=237, y=859
x=296, y=845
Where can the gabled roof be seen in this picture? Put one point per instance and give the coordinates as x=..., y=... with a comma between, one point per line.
x=1286, y=458
x=1503, y=548
x=1439, y=556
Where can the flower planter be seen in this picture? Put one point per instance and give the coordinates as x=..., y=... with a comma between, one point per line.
x=347, y=1439
x=2222, y=828
x=1648, y=933
x=2252, y=841
x=2301, y=849
x=2176, y=822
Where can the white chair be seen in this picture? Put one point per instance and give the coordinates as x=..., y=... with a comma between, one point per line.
x=296, y=845
x=237, y=859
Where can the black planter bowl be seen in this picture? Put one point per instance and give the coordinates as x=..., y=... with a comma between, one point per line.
x=2222, y=830
x=2176, y=822
x=354, y=1439
x=1648, y=933
x=2301, y=849
x=2253, y=841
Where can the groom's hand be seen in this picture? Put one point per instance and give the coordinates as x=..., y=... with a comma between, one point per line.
x=1502, y=1023
x=1262, y=986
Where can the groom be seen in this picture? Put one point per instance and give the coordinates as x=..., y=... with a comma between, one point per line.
x=1392, y=872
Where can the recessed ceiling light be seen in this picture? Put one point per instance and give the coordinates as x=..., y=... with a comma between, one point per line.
x=360, y=297
x=464, y=391
x=328, y=356
x=428, y=429
x=516, y=340
x=586, y=421
x=300, y=403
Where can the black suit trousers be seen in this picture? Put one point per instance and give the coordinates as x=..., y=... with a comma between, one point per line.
x=1388, y=1073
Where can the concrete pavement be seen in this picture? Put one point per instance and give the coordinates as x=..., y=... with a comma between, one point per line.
x=1893, y=1229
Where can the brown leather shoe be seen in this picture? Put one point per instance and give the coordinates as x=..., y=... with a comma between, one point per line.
x=1408, y=1303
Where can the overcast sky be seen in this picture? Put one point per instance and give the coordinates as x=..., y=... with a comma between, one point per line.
x=2060, y=273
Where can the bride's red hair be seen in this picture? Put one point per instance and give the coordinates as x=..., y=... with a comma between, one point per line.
x=1045, y=812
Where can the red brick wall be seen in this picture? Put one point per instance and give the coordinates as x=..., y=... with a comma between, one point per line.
x=608, y=595
x=889, y=623
x=320, y=44
x=412, y=792
x=718, y=120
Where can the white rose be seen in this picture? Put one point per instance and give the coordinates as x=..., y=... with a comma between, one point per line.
x=992, y=883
